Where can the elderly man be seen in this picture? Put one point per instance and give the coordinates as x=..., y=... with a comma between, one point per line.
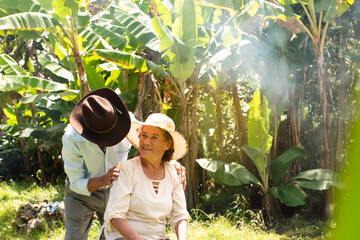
x=93, y=143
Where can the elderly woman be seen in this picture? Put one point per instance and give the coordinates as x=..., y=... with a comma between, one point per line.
x=148, y=188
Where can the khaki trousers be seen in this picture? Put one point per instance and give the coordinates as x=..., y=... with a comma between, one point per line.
x=80, y=209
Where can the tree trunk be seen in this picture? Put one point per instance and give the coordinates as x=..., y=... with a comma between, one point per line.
x=219, y=126
x=217, y=100
x=81, y=71
x=325, y=123
x=241, y=130
x=141, y=98
x=40, y=158
x=156, y=93
x=44, y=181
x=325, y=126
x=22, y=145
x=271, y=208
x=294, y=133
x=188, y=159
x=193, y=148
x=341, y=131
x=55, y=160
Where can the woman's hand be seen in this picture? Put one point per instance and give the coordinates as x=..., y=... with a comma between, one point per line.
x=124, y=229
x=181, y=171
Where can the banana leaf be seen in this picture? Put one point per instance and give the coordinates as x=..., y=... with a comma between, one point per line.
x=138, y=24
x=31, y=130
x=94, y=79
x=65, y=8
x=56, y=69
x=130, y=61
x=280, y=165
x=291, y=195
x=89, y=38
x=28, y=20
x=317, y=179
x=231, y=174
x=113, y=34
x=10, y=66
x=166, y=11
x=35, y=82
x=23, y=6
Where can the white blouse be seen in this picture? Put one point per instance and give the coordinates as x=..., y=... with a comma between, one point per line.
x=133, y=197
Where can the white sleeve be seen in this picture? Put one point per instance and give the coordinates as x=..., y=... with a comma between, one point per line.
x=179, y=210
x=119, y=198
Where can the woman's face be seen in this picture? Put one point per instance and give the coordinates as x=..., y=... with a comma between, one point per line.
x=152, y=142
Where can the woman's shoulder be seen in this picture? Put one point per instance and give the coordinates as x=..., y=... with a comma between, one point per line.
x=171, y=170
x=130, y=164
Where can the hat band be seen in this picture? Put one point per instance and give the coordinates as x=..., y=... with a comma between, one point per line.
x=109, y=129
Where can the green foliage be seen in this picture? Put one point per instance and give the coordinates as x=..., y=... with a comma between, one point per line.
x=318, y=179
x=131, y=61
x=10, y=160
x=303, y=226
x=280, y=165
x=10, y=67
x=56, y=69
x=64, y=8
x=290, y=194
x=24, y=6
x=187, y=33
x=137, y=24
x=35, y=83
x=231, y=174
x=258, y=133
x=234, y=174
x=27, y=20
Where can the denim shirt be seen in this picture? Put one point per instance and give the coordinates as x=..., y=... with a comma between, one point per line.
x=84, y=160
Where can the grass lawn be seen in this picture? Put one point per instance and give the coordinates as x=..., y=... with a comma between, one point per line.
x=12, y=195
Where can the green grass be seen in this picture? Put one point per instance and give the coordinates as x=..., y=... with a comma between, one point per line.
x=202, y=226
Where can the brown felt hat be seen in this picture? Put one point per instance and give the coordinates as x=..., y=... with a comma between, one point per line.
x=101, y=117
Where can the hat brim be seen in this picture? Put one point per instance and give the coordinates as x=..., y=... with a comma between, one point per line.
x=110, y=138
x=180, y=144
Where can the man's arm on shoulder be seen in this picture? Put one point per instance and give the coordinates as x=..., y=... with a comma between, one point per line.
x=105, y=180
x=181, y=171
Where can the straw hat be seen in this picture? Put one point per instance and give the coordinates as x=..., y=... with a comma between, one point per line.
x=165, y=123
x=101, y=117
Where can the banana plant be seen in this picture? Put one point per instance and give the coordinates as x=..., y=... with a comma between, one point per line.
x=34, y=106
x=221, y=49
x=56, y=23
x=269, y=171
x=315, y=19
x=315, y=22
x=33, y=110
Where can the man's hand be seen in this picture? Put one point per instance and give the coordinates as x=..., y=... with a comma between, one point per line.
x=111, y=175
x=105, y=180
x=181, y=171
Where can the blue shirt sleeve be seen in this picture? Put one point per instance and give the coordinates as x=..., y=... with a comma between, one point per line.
x=74, y=163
